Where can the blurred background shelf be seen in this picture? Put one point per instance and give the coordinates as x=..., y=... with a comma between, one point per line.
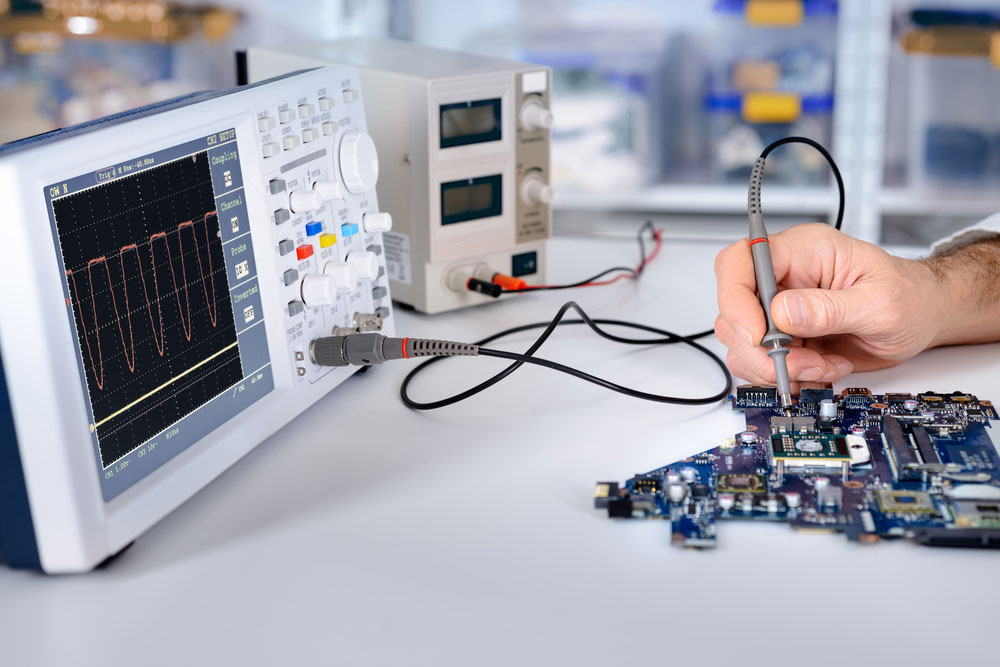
x=660, y=107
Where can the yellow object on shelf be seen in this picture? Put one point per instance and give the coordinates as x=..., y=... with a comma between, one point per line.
x=766, y=107
x=774, y=12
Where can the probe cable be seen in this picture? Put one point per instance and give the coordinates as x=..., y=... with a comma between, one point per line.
x=371, y=348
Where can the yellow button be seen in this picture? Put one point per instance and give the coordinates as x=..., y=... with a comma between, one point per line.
x=327, y=240
x=774, y=12
x=771, y=107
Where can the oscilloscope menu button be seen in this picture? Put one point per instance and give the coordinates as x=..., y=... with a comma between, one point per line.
x=285, y=246
x=295, y=308
x=277, y=185
x=286, y=116
x=290, y=277
x=265, y=123
x=282, y=215
x=325, y=103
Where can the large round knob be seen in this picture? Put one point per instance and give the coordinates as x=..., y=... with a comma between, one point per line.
x=358, y=162
x=328, y=190
x=303, y=201
x=376, y=222
x=365, y=263
x=344, y=276
x=318, y=290
x=535, y=191
x=534, y=116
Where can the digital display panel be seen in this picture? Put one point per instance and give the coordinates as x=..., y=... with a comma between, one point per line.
x=467, y=123
x=471, y=199
x=162, y=292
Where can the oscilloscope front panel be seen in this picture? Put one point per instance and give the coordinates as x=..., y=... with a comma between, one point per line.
x=166, y=270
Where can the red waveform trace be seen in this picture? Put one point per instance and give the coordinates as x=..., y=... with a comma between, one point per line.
x=185, y=317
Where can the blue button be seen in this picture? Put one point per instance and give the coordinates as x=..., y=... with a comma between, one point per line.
x=314, y=228
x=348, y=229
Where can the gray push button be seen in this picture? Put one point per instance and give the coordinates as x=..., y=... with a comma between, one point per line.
x=379, y=292
x=290, y=276
x=382, y=312
x=282, y=215
x=374, y=249
x=295, y=307
x=277, y=185
x=285, y=246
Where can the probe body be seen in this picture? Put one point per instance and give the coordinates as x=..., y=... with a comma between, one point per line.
x=775, y=340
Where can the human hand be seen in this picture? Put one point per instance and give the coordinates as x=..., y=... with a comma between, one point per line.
x=848, y=304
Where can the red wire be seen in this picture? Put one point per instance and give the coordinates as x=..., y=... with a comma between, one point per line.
x=657, y=237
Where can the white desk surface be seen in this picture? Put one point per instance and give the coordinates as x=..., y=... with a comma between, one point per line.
x=467, y=535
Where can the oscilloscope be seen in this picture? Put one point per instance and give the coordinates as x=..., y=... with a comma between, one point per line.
x=464, y=141
x=165, y=272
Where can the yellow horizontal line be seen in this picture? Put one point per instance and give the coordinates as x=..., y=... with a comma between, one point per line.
x=164, y=385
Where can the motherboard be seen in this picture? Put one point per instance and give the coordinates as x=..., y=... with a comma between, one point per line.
x=871, y=466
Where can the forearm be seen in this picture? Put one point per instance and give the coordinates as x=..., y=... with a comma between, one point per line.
x=969, y=282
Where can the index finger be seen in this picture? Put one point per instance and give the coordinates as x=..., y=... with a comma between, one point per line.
x=736, y=287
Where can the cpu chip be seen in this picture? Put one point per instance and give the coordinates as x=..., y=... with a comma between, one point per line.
x=798, y=447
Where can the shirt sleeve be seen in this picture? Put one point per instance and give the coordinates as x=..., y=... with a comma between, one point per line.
x=988, y=228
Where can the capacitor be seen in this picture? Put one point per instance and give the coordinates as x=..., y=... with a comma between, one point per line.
x=672, y=478
x=688, y=474
x=677, y=492
x=911, y=404
x=821, y=482
x=772, y=505
x=726, y=501
x=748, y=437
x=827, y=409
x=793, y=498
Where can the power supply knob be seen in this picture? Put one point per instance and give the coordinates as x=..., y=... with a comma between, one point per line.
x=344, y=276
x=318, y=290
x=535, y=191
x=358, y=162
x=365, y=263
x=534, y=116
x=303, y=201
x=328, y=190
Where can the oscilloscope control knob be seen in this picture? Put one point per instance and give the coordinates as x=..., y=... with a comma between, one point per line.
x=303, y=201
x=358, y=162
x=534, y=116
x=365, y=263
x=344, y=275
x=535, y=191
x=328, y=190
x=318, y=290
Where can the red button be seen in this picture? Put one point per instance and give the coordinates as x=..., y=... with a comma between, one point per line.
x=304, y=251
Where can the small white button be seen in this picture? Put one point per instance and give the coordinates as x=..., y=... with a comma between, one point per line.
x=286, y=116
x=328, y=190
x=310, y=134
x=290, y=142
x=365, y=263
x=325, y=104
x=302, y=201
x=376, y=222
x=270, y=149
x=306, y=110
x=265, y=123
x=329, y=128
x=350, y=95
x=344, y=275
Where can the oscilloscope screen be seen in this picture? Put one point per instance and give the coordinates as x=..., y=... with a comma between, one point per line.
x=149, y=291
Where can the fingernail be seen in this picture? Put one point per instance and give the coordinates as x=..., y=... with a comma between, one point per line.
x=795, y=307
x=829, y=376
x=740, y=331
x=844, y=368
x=813, y=374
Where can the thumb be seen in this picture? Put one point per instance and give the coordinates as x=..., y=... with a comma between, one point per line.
x=811, y=313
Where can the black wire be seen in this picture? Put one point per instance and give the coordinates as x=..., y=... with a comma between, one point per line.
x=666, y=338
x=829, y=159
x=646, y=226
